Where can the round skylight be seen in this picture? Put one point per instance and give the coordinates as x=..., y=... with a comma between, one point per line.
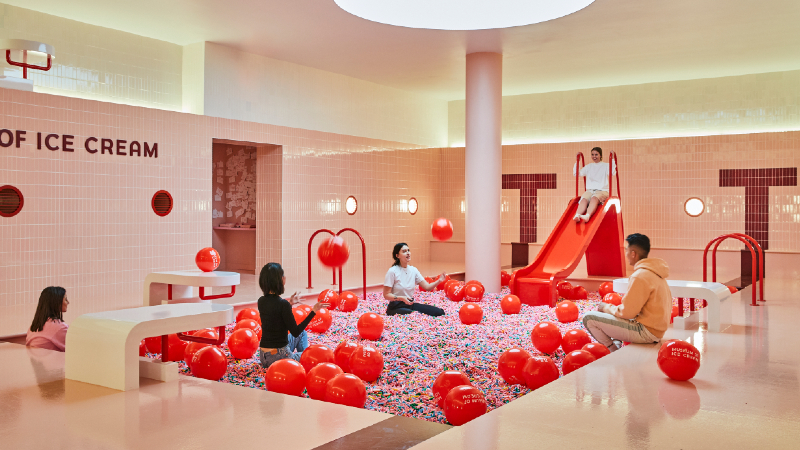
x=461, y=14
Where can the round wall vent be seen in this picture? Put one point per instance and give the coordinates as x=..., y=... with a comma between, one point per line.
x=11, y=201
x=162, y=203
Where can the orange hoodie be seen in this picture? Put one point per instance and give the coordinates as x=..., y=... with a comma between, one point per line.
x=648, y=300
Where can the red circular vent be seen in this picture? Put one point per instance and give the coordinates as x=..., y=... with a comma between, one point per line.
x=11, y=201
x=162, y=203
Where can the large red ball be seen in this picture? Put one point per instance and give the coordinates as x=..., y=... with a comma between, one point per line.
x=546, y=337
x=330, y=297
x=597, y=350
x=249, y=323
x=366, y=363
x=606, y=288
x=564, y=289
x=441, y=286
x=316, y=354
x=142, y=348
x=370, y=326
x=446, y=381
x=539, y=370
x=346, y=389
x=153, y=344
x=464, y=403
x=442, y=229
x=342, y=354
x=470, y=314
x=613, y=298
x=733, y=289
x=678, y=359
x=579, y=293
x=318, y=378
x=321, y=322
x=333, y=252
x=209, y=363
x=473, y=292
x=243, y=343
x=207, y=333
x=567, y=311
x=207, y=259
x=505, y=277
x=574, y=340
x=348, y=301
x=575, y=360
x=511, y=363
x=286, y=376
x=191, y=350
x=249, y=313
x=455, y=292
x=510, y=304
x=299, y=314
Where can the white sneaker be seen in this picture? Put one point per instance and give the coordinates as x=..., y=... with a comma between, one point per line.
x=577, y=218
x=585, y=218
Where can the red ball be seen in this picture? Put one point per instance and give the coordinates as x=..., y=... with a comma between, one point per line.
x=564, y=289
x=470, y=314
x=370, y=326
x=510, y=304
x=342, y=354
x=153, y=344
x=575, y=360
x=207, y=333
x=511, y=363
x=209, y=363
x=567, y=311
x=442, y=229
x=333, y=252
x=346, y=389
x=456, y=292
x=546, y=337
x=177, y=347
x=366, y=363
x=348, y=301
x=606, y=288
x=142, y=348
x=597, y=350
x=733, y=289
x=678, y=359
x=538, y=371
x=249, y=323
x=441, y=286
x=330, y=297
x=318, y=378
x=316, y=354
x=476, y=282
x=191, y=350
x=505, y=277
x=446, y=381
x=473, y=292
x=613, y=298
x=243, y=343
x=574, y=340
x=674, y=314
x=464, y=403
x=299, y=314
x=207, y=259
x=321, y=321
x=249, y=313
x=286, y=376
x=579, y=293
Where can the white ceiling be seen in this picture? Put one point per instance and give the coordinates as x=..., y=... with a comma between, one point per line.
x=609, y=43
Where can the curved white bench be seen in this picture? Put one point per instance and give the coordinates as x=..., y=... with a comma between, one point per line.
x=103, y=348
x=716, y=295
x=178, y=285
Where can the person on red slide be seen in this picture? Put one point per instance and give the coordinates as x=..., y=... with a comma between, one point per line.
x=596, y=193
x=643, y=315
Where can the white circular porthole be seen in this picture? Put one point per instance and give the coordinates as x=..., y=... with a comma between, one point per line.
x=351, y=205
x=694, y=207
x=413, y=206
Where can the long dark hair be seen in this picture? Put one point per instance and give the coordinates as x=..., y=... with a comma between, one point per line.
x=271, y=279
x=51, y=302
x=396, y=250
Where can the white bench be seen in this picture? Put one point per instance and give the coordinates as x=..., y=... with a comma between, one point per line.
x=178, y=286
x=718, y=311
x=103, y=348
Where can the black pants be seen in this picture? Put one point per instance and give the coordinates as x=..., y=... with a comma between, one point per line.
x=398, y=307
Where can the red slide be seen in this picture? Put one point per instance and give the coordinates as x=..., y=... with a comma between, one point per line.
x=601, y=240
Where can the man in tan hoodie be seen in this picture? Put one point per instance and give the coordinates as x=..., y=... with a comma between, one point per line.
x=644, y=314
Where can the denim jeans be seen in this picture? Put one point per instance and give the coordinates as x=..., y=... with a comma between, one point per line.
x=292, y=350
x=606, y=328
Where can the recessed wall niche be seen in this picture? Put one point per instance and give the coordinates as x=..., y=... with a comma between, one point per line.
x=234, y=177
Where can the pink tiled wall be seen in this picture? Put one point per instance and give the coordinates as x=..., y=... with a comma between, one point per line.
x=657, y=176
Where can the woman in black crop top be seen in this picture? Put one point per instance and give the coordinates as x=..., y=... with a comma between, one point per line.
x=277, y=319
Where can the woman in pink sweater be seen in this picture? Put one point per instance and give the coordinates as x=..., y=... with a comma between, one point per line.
x=48, y=329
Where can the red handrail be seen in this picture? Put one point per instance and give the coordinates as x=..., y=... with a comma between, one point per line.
x=613, y=164
x=749, y=246
x=756, y=246
x=24, y=64
x=579, y=159
x=309, y=255
x=363, y=260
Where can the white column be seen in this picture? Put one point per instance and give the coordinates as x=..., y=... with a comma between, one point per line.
x=483, y=174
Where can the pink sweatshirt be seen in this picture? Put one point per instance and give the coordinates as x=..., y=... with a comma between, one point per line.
x=52, y=337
